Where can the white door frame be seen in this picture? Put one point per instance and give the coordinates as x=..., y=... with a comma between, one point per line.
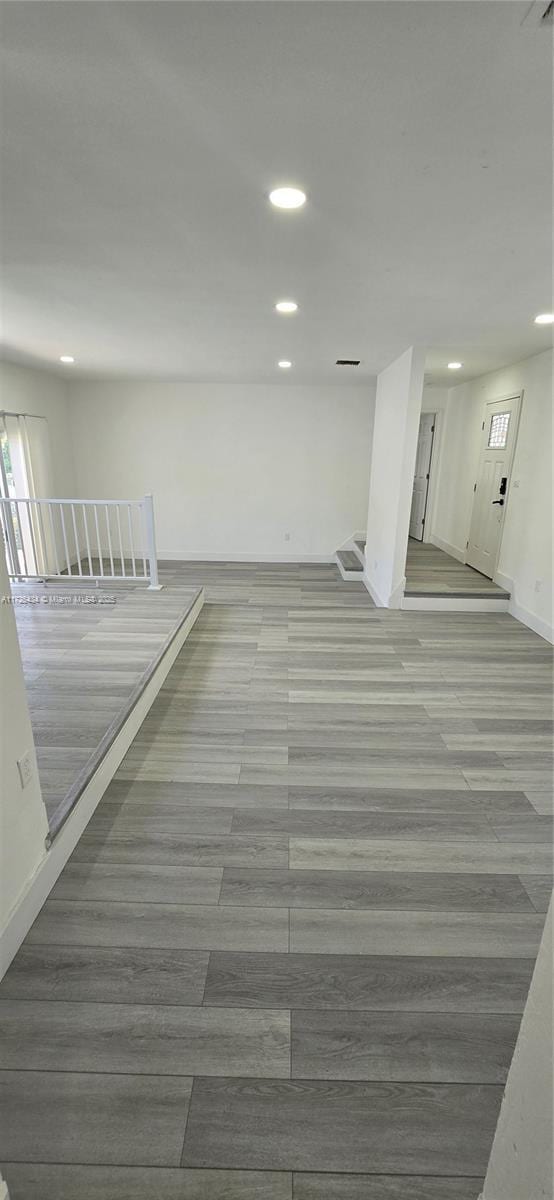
x=518, y=396
x=427, y=505
x=434, y=474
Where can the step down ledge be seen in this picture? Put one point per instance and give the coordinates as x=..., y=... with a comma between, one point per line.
x=493, y=604
x=349, y=565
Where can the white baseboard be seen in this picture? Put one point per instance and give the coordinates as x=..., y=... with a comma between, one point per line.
x=348, y=543
x=48, y=870
x=533, y=622
x=396, y=597
x=454, y=551
x=453, y=604
x=167, y=556
x=537, y=624
x=377, y=599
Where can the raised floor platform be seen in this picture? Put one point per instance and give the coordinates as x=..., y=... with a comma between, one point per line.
x=88, y=654
x=432, y=573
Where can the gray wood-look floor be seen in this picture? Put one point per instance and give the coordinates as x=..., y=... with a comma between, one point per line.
x=289, y=955
x=85, y=651
x=431, y=572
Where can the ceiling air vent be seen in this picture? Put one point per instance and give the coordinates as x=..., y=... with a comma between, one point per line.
x=540, y=14
x=348, y=362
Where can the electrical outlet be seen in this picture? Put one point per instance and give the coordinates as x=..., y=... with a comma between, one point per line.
x=287, y=537
x=25, y=768
x=538, y=585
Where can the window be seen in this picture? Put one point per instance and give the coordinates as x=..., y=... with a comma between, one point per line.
x=7, y=485
x=498, y=433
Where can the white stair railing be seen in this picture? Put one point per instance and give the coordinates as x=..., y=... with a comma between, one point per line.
x=80, y=539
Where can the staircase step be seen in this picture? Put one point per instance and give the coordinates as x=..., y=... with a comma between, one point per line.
x=349, y=561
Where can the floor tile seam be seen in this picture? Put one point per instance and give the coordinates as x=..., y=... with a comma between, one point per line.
x=211, y=950
x=289, y=1076
x=133, y=946
x=279, y=1079
x=321, y=1010
x=225, y=1170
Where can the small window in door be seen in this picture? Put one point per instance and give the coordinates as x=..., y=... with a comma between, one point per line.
x=498, y=433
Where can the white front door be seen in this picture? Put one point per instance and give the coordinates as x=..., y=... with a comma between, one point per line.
x=498, y=438
x=421, y=475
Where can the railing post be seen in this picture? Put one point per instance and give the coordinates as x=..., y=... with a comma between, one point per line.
x=148, y=507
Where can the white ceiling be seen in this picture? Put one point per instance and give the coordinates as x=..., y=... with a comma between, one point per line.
x=141, y=139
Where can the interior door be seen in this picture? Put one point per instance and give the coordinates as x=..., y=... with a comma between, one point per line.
x=498, y=437
x=421, y=475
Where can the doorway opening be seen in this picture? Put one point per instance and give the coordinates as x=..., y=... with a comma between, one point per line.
x=432, y=571
x=422, y=475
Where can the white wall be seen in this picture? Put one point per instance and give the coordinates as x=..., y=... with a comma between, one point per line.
x=23, y=823
x=233, y=468
x=24, y=389
x=397, y=413
x=525, y=563
x=434, y=399
x=520, y=1165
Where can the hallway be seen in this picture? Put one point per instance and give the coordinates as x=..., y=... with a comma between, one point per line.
x=289, y=955
x=431, y=572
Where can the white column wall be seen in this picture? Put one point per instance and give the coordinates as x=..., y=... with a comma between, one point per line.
x=395, y=432
x=23, y=823
x=520, y=1165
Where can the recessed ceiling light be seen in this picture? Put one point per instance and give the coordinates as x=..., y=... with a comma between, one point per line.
x=454, y=366
x=287, y=197
x=286, y=306
x=284, y=364
x=66, y=358
x=545, y=319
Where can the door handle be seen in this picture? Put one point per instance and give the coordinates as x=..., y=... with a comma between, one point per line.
x=499, y=501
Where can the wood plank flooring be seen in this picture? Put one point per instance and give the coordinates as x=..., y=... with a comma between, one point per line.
x=431, y=572
x=289, y=956
x=85, y=651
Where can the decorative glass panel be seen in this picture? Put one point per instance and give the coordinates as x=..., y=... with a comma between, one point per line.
x=498, y=435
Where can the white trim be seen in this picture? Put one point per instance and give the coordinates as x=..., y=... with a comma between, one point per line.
x=426, y=520
x=524, y=615
x=348, y=543
x=434, y=476
x=453, y=551
x=373, y=593
x=349, y=576
x=396, y=597
x=454, y=604
x=178, y=556
x=39, y=887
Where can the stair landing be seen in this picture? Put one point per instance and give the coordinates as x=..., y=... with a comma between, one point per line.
x=350, y=566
